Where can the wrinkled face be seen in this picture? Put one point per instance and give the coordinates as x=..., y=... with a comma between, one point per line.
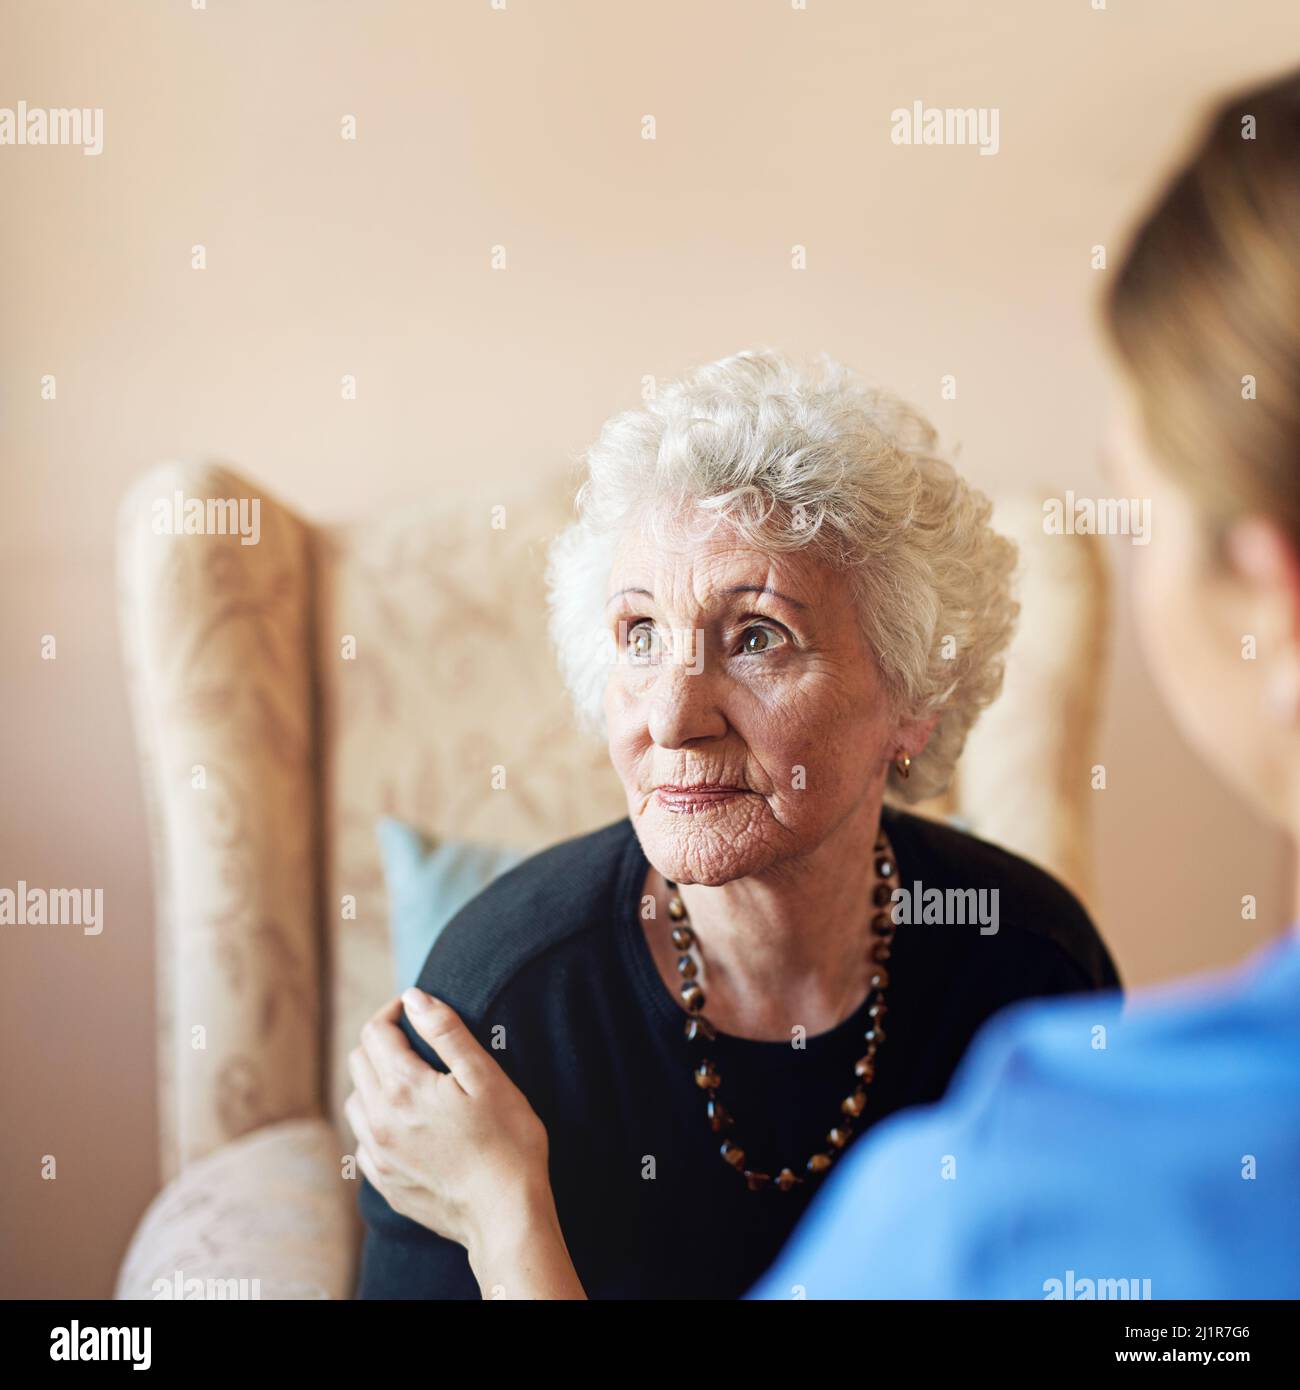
x=746, y=713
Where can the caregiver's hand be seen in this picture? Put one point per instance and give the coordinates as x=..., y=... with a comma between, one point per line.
x=462, y=1152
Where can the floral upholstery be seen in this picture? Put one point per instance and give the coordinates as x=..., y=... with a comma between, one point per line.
x=269, y=1207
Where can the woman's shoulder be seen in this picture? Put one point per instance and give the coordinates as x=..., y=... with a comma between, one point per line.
x=546, y=900
x=1014, y=895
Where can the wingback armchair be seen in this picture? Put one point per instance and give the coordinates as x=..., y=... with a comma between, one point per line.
x=288, y=693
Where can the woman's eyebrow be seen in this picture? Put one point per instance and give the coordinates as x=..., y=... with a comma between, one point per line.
x=765, y=589
x=621, y=592
x=735, y=589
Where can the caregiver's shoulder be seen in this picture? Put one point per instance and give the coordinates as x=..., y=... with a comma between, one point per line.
x=541, y=904
x=1031, y=903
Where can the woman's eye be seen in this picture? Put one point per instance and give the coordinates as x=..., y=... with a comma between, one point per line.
x=760, y=639
x=641, y=641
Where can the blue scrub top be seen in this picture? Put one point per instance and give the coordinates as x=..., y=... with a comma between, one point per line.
x=1084, y=1150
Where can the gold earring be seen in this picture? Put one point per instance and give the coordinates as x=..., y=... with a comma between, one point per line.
x=903, y=764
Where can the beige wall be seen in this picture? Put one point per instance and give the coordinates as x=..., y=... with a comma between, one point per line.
x=626, y=257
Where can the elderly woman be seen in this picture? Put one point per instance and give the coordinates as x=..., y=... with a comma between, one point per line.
x=690, y=1015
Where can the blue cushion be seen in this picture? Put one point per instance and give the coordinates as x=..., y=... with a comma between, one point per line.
x=428, y=885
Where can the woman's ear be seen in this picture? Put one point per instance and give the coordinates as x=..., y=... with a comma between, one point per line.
x=1262, y=556
x=914, y=734
x=1264, y=560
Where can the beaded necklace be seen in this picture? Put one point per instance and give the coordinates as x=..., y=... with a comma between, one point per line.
x=698, y=1029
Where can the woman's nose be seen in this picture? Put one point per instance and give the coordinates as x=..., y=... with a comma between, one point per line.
x=683, y=702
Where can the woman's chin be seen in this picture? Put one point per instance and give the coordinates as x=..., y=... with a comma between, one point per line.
x=711, y=846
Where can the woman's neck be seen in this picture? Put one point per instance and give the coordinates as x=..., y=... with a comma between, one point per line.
x=782, y=949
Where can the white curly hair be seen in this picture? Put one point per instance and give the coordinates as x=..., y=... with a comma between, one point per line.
x=793, y=456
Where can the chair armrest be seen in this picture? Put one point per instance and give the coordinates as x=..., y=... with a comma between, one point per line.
x=218, y=645
x=269, y=1207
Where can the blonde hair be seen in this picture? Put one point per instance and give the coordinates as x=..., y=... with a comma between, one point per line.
x=1209, y=293
x=795, y=456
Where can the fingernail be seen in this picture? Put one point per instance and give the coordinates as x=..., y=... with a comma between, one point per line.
x=415, y=999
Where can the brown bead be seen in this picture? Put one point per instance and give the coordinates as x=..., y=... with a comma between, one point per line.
x=699, y=1027
x=881, y=951
x=878, y=1010
x=786, y=1179
x=875, y=1034
x=706, y=1078
x=757, y=1181
x=719, y=1119
x=882, y=894
x=879, y=978
x=692, y=997
x=840, y=1135
x=882, y=924
x=885, y=866
x=855, y=1104
x=733, y=1153
x=676, y=909
x=865, y=1067
x=686, y=967
x=683, y=938
x=819, y=1163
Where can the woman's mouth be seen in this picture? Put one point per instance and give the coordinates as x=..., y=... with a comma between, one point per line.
x=690, y=800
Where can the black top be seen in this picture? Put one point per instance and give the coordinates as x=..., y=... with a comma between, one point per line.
x=554, y=952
